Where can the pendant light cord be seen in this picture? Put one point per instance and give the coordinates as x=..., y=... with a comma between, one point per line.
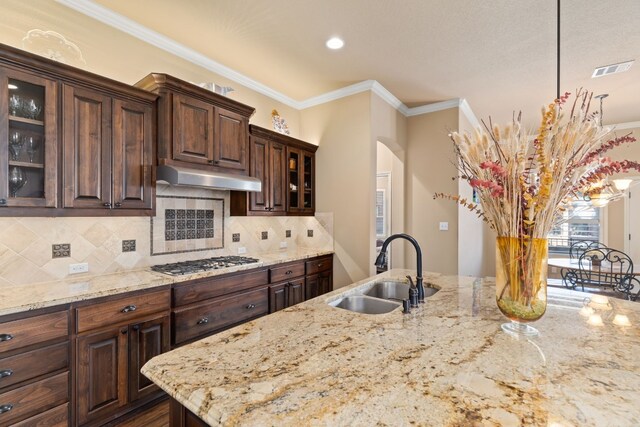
x=558, y=59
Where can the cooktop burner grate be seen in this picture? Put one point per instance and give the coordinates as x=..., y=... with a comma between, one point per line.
x=198, y=265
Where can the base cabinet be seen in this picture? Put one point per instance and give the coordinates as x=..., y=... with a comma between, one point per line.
x=109, y=358
x=283, y=295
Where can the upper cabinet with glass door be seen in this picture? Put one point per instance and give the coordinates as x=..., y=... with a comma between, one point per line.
x=28, y=140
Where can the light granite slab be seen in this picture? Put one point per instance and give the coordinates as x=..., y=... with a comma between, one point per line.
x=20, y=298
x=447, y=364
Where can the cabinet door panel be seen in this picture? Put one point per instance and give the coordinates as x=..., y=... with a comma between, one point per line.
x=132, y=155
x=296, y=292
x=231, y=143
x=277, y=297
x=87, y=148
x=193, y=131
x=325, y=281
x=102, y=373
x=278, y=173
x=311, y=287
x=259, y=169
x=146, y=340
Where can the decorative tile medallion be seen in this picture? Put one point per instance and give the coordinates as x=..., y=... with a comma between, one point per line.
x=288, y=233
x=128, y=245
x=309, y=233
x=187, y=224
x=265, y=235
x=61, y=250
x=235, y=237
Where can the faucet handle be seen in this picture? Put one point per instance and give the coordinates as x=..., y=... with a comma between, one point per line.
x=410, y=281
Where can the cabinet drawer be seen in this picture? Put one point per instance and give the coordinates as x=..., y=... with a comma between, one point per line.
x=218, y=286
x=34, y=398
x=56, y=417
x=193, y=321
x=34, y=363
x=121, y=309
x=286, y=272
x=318, y=265
x=33, y=330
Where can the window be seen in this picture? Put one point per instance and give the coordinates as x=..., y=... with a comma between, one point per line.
x=380, y=220
x=580, y=222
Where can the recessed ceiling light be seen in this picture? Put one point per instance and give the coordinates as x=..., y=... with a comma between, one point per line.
x=335, y=43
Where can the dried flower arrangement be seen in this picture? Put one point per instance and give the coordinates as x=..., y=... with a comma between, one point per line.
x=524, y=186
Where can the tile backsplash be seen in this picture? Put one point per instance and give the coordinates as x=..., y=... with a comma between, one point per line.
x=26, y=243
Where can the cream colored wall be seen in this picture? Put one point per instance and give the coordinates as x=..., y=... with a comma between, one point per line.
x=389, y=127
x=345, y=170
x=112, y=53
x=615, y=210
x=429, y=170
x=470, y=227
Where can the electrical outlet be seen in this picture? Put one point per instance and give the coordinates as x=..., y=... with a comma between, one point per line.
x=78, y=268
x=283, y=245
x=444, y=226
x=242, y=250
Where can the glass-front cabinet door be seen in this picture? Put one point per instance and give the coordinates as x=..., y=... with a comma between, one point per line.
x=27, y=140
x=307, y=183
x=294, y=167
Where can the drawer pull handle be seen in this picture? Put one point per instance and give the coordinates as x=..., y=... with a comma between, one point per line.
x=288, y=272
x=107, y=205
x=319, y=265
x=118, y=205
x=129, y=308
x=6, y=337
x=6, y=408
x=250, y=306
x=203, y=321
x=6, y=373
x=3, y=202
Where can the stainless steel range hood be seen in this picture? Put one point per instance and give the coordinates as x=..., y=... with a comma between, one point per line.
x=187, y=177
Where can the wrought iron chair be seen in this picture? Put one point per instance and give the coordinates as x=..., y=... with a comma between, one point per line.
x=581, y=246
x=603, y=268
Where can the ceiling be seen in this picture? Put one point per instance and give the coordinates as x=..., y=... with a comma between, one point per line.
x=500, y=55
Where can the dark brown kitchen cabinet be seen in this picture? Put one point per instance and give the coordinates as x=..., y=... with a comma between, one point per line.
x=286, y=294
x=116, y=337
x=199, y=128
x=102, y=373
x=286, y=167
x=301, y=181
x=108, y=151
x=319, y=276
x=34, y=368
x=77, y=144
x=28, y=140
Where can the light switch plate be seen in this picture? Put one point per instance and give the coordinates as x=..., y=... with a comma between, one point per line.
x=283, y=245
x=242, y=250
x=444, y=226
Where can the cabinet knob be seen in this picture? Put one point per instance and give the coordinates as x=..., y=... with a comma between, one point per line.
x=319, y=265
x=136, y=327
x=250, y=306
x=107, y=205
x=118, y=205
x=129, y=308
x=215, y=162
x=6, y=373
x=203, y=321
x=266, y=208
x=3, y=202
x=288, y=272
x=6, y=408
x=124, y=331
x=5, y=337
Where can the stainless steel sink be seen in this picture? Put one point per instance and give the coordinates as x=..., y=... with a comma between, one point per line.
x=365, y=304
x=395, y=290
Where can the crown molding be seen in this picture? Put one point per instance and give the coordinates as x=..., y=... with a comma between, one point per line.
x=126, y=25
x=353, y=89
x=627, y=125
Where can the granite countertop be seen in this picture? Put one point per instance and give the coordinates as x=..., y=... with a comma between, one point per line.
x=448, y=363
x=15, y=299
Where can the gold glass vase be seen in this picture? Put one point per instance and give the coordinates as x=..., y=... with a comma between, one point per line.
x=521, y=282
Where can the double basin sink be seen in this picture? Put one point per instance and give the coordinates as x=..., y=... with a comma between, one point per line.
x=382, y=297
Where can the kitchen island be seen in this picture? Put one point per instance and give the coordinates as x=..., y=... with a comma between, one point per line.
x=448, y=363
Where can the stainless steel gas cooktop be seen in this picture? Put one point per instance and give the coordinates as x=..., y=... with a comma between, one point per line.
x=198, y=265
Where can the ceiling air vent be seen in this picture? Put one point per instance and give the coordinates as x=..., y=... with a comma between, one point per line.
x=612, y=69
